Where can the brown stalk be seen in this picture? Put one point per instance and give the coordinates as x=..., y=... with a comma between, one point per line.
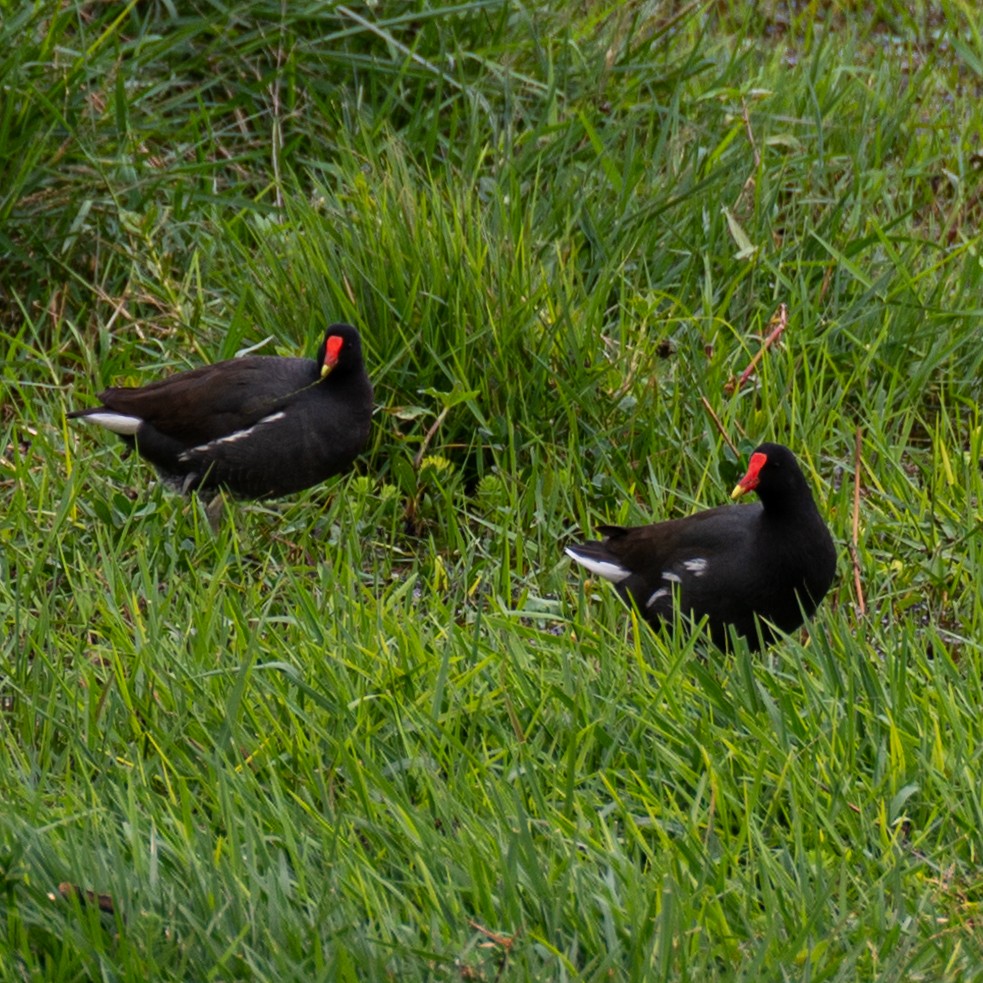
x=854, y=555
x=719, y=425
x=777, y=325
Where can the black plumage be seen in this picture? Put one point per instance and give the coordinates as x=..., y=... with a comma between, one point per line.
x=257, y=427
x=755, y=567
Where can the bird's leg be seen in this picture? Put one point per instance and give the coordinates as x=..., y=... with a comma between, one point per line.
x=213, y=511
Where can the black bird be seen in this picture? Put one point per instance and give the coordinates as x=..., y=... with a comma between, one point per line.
x=755, y=568
x=257, y=427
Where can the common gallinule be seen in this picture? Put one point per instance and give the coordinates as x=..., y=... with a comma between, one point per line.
x=258, y=426
x=755, y=567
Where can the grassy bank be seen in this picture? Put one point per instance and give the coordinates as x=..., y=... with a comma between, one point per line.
x=382, y=730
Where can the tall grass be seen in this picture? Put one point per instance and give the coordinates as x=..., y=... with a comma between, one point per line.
x=381, y=730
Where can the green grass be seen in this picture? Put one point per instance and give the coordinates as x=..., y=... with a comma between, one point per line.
x=382, y=730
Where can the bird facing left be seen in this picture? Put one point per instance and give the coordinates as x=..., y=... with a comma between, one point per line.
x=261, y=426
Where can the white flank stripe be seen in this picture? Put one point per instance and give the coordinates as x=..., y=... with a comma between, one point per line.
x=603, y=568
x=232, y=437
x=673, y=578
x=117, y=422
x=657, y=596
x=696, y=566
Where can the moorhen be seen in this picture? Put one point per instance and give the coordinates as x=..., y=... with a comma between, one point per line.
x=258, y=427
x=755, y=568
